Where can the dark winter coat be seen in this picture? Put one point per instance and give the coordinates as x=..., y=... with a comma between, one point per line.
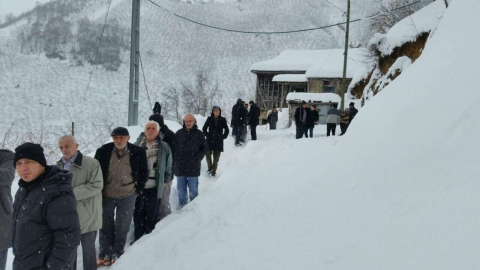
x=45, y=225
x=352, y=112
x=190, y=148
x=138, y=161
x=272, y=118
x=242, y=116
x=299, y=114
x=216, y=130
x=7, y=174
x=234, y=112
x=312, y=117
x=254, y=115
x=168, y=136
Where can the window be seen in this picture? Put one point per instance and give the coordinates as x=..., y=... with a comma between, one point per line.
x=329, y=87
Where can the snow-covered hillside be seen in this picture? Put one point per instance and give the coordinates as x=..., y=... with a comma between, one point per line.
x=41, y=96
x=399, y=191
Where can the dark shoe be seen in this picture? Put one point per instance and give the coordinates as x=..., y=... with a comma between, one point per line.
x=212, y=174
x=209, y=170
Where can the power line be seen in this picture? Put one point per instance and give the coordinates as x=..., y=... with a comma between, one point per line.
x=96, y=54
x=144, y=81
x=279, y=32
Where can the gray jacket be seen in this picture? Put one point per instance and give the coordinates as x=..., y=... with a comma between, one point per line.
x=87, y=186
x=163, y=172
x=333, y=116
x=7, y=174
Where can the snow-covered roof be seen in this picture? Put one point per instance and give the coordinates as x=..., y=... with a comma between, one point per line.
x=316, y=63
x=408, y=29
x=331, y=64
x=314, y=97
x=290, y=78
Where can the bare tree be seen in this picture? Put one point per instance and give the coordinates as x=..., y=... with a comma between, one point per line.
x=172, y=105
x=201, y=95
x=386, y=18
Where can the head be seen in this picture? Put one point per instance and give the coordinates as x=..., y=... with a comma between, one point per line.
x=304, y=104
x=332, y=105
x=313, y=108
x=152, y=130
x=68, y=146
x=189, y=121
x=245, y=106
x=351, y=105
x=29, y=161
x=251, y=103
x=274, y=109
x=216, y=112
x=157, y=118
x=120, y=137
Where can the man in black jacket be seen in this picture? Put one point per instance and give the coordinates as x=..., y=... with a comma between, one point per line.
x=125, y=172
x=253, y=118
x=7, y=174
x=234, y=117
x=45, y=225
x=301, y=114
x=352, y=112
x=216, y=130
x=190, y=148
x=241, y=120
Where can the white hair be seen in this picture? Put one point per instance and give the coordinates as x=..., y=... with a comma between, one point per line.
x=157, y=126
x=68, y=137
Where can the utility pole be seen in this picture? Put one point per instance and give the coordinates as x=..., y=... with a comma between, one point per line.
x=134, y=65
x=345, y=54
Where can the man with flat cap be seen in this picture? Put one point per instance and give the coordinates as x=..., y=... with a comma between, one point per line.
x=125, y=172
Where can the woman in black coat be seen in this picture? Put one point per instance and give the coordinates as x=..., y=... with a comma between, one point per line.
x=216, y=130
x=312, y=118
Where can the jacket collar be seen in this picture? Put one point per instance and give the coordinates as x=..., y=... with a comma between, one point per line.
x=77, y=162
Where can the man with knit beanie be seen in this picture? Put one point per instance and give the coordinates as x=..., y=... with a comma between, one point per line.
x=45, y=227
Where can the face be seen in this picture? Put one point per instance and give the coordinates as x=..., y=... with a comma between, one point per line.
x=189, y=121
x=312, y=108
x=29, y=169
x=68, y=148
x=274, y=109
x=350, y=106
x=216, y=113
x=151, y=131
x=304, y=106
x=121, y=141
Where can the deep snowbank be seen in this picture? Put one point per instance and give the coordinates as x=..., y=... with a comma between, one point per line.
x=399, y=191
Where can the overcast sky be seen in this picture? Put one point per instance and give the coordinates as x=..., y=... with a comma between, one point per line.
x=17, y=6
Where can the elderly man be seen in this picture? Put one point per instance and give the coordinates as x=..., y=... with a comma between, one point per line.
x=125, y=171
x=190, y=148
x=46, y=230
x=87, y=186
x=7, y=174
x=159, y=159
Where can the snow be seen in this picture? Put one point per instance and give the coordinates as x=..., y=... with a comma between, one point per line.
x=290, y=78
x=314, y=97
x=332, y=65
x=403, y=196
x=423, y=21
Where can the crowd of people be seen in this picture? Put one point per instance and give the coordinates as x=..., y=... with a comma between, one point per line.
x=306, y=119
x=59, y=207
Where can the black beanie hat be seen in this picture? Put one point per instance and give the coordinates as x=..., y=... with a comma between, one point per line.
x=120, y=131
x=31, y=151
x=352, y=104
x=157, y=118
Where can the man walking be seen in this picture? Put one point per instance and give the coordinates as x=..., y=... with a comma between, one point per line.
x=216, y=130
x=272, y=119
x=159, y=159
x=7, y=174
x=125, y=171
x=301, y=120
x=333, y=118
x=253, y=118
x=234, y=123
x=241, y=121
x=45, y=226
x=190, y=147
x=87, y=186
